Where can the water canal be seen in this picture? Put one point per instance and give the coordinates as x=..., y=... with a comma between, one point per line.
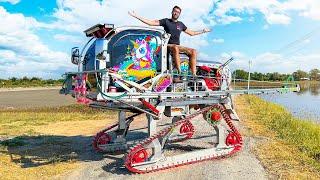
x=304, y=104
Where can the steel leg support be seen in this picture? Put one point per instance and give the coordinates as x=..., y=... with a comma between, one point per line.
x=221, y=133
x=121, y=127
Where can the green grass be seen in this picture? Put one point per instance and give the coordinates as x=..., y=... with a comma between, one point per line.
x=41, y=143
x=22, y=121
x=303, y=134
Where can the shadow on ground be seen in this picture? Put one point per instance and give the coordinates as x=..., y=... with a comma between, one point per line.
x=33, y=151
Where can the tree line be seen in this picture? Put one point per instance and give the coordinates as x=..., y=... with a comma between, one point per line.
x=314, y=75
x=298, y=75
x=29, y=82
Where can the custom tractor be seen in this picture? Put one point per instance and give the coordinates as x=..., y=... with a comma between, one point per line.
x=130, y=70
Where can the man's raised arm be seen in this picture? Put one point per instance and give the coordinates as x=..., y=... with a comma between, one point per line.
x=193, y=33
x=146, y=21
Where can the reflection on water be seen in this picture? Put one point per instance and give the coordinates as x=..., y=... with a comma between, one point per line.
x=312, y=88
x=304, y=104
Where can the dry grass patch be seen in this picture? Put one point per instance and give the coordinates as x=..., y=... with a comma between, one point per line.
x=27, y=121
x=11, y=170
x=45, y=142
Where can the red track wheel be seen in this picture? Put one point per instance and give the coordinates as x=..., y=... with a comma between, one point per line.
x=101, y=139
x=139, y=157
x=187, y=128
x=232, y=139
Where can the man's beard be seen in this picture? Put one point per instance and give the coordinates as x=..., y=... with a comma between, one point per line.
x=174, y=18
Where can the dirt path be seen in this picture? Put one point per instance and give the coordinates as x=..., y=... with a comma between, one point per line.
x=244, y=165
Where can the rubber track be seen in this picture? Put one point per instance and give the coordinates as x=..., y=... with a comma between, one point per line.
x=164, y=132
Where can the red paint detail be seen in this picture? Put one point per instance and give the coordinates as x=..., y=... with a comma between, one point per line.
x=212, y=84
x=101, y=32
x=150, y=106
x=148, y=38
x=187, y=128
x=205, y=68
x=158, y=49
x=215, y=116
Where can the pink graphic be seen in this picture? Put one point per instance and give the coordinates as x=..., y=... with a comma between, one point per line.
x=162, y=84
x=80, y=89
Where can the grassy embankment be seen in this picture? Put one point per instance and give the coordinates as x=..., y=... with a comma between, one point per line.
x=273, y=84
x=47, y=141
x=289, y=148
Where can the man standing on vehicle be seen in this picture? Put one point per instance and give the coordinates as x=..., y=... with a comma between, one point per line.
x=174, y=27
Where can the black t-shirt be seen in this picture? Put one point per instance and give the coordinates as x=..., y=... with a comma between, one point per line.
x=173, y=28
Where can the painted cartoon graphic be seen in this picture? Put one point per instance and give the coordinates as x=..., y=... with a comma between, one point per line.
x=184, y=67
x=162, y=83
x=139, y=60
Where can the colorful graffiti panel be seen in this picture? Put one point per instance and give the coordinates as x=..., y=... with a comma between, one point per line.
x=139, y=60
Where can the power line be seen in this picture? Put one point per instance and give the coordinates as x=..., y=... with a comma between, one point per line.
x=298, y=41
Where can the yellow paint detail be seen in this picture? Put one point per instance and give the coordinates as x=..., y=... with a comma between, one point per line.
x=140, y=74
x=135, y=45
x=144, y=63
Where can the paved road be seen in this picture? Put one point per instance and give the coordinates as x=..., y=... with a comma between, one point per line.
x=33, y=98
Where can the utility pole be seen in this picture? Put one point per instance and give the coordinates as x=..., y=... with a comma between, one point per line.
x=234, y=79
x=250, y=63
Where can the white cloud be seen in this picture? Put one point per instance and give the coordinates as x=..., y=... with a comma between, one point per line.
x=306, y=8
x=203, y=56
x=218, y=41
x=22, y=50
x=268, y=8
x=69, y=12
x=7, y=54
x=11, y=1
x=274, y=11
x=271, y=62
x=229, y=19
x=69, y=38
x=274, y=18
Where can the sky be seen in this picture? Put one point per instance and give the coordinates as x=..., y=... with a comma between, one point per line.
x=276, y=35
